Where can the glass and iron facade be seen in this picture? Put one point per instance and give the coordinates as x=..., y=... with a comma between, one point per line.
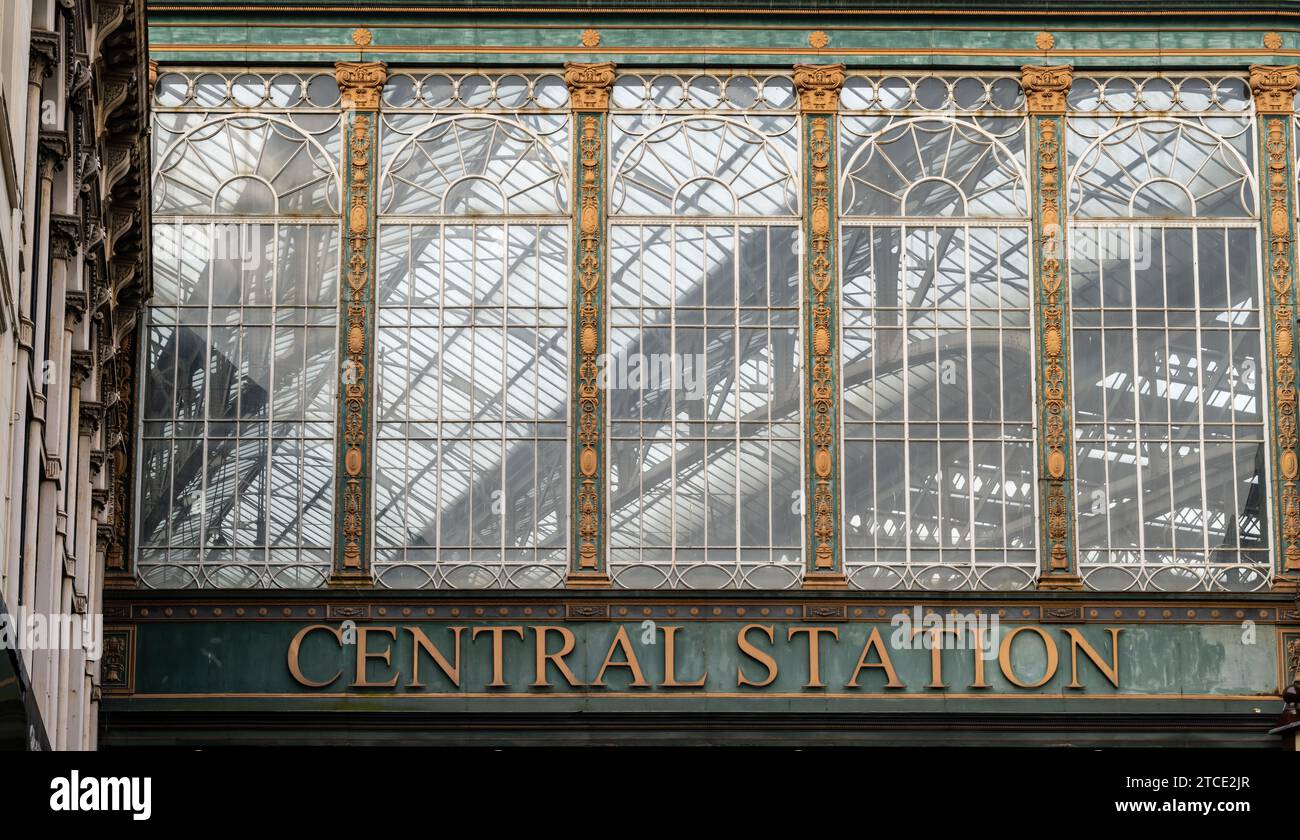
x=703, y=177
x=610, y=318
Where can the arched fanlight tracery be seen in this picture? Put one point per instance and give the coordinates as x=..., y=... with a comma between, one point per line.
x=926, y=166
x=243, y=165
x=1156, y=167
x=705, y=166
x=474, y=165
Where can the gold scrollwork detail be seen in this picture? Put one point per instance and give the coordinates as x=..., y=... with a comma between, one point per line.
x=1278, y=90
x=360, y=85
x=1045, y=90
x=1274, y=88
x=819, y=88
x=1046, y=87
x=589, y=87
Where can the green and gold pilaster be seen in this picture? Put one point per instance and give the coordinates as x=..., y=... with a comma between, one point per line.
x=819, y=97
x=360, y=84
x=589, y=88
x=1274, y=89
x=1045, y=90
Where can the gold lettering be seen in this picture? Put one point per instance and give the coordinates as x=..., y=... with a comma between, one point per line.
x=814, y=651
x=364, y=656
x=979, y=659
x=670, y=662
x=1077, y=642
x=556, y=658
x=498, y=651
x=419, y=642
x=878, y=644
x=629, y=660
x=936, y=651
x=1004, y=657
x=763, y=658
x=295, y=650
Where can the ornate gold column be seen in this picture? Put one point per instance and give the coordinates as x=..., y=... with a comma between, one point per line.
x=1045, y=92
x=360, y=84
x=1274, y=89
x=589, y=87
x=819, y=98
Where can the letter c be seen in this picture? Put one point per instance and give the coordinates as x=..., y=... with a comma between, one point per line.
x=295, y=648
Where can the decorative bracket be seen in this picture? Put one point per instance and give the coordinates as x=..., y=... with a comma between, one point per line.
x=819, y=96
x=589, y=89
x=1274, y=89
x=1045, y=92
x=360, y=84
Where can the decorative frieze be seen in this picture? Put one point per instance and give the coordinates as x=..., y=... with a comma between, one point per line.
x=1045, y=92
x=360, y=85
x=819, y=87
x=589, y=87
x=1274, y=89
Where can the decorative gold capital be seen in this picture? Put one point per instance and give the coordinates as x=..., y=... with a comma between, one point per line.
x=819, y=87
x=1046, y=87
x=589, y=85
x=1274, y=88
x=360, y=83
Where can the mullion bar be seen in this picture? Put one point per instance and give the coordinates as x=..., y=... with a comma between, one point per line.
x=360, y=85
x=589, y=92
x=1274, y=91
x=1045, y=92
x=819, y=94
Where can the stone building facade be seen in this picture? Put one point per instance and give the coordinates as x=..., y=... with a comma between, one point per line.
x=74, y=272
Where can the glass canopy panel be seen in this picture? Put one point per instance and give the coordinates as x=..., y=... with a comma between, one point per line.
x=1165, y=295
x=704, y=344
x=237, y=399
x=939, y=484
x=473, y=339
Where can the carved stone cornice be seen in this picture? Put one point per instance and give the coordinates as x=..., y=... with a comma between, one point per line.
x=360, y=83
x=44, y=54
x=589, y=85
x=81, y=364
x=109, y=15
x=53, y=148
x=74, y=305
x=90, y=416
x=1046, y=88
x=114, y=89
x=65, y=236
x=1274, y=88
x=819, y=87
